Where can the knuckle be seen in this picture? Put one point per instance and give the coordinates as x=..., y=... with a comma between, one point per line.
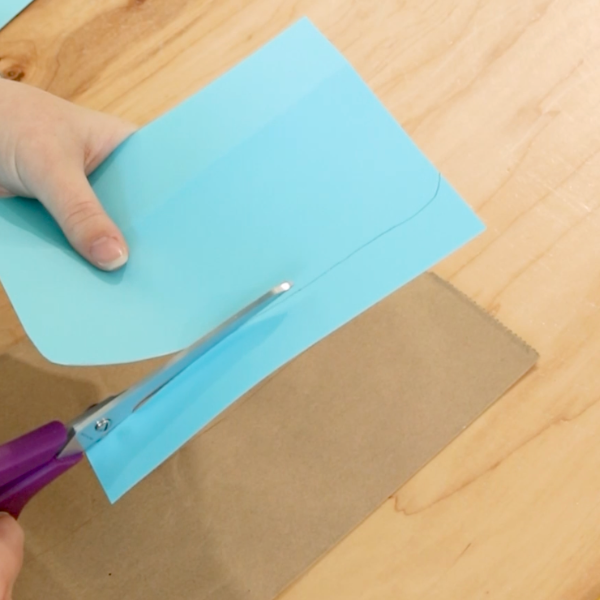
x=80, y=214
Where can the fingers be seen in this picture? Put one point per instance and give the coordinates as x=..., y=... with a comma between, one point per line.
x=11, y=554
x=69, y=198
x=47, y=148
x=77, y=210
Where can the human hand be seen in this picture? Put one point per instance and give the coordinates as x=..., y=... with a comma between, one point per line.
x=47, y=147
x=11, y=554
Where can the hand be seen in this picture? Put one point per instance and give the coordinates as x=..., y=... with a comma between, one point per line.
x=47, y=147
x=11, y=554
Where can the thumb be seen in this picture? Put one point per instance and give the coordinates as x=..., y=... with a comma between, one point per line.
x=69, y=198
x=11, y=554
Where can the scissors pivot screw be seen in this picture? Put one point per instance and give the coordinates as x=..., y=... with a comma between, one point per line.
x=102, y=424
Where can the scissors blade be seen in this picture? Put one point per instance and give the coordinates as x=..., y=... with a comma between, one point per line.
x=103, y=418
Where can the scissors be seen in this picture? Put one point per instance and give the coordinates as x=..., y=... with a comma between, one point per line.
x=29, y=463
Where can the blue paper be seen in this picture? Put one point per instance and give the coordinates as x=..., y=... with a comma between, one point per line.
x=287, y=167
x=9, y=9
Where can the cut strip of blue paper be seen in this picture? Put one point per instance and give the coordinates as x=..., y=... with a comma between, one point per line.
x=9, y=9
x=287, y=167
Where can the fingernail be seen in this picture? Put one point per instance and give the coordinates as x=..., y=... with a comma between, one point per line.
x=108, y=253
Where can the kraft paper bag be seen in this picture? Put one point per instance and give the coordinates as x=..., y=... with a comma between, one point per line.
x=280, y=477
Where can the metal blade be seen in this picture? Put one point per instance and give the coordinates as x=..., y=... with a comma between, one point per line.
x=101, y=419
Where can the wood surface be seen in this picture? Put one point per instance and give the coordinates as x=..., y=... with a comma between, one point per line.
x=504, y=97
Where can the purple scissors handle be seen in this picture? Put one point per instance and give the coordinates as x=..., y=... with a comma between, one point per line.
x=30, y=463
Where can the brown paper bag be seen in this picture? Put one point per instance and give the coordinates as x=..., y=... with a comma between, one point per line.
x=279, y=478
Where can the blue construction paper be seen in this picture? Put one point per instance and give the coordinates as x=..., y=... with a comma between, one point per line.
x=215, y=381
x=9, y=9
x=279, y=170
x=287, y=167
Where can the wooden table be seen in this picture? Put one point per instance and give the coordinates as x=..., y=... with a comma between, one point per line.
x=504, y=97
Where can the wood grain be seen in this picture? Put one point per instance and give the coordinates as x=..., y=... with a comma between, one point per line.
x=504, y=97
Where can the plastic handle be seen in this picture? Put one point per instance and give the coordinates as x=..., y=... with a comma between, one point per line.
x=29, y=463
